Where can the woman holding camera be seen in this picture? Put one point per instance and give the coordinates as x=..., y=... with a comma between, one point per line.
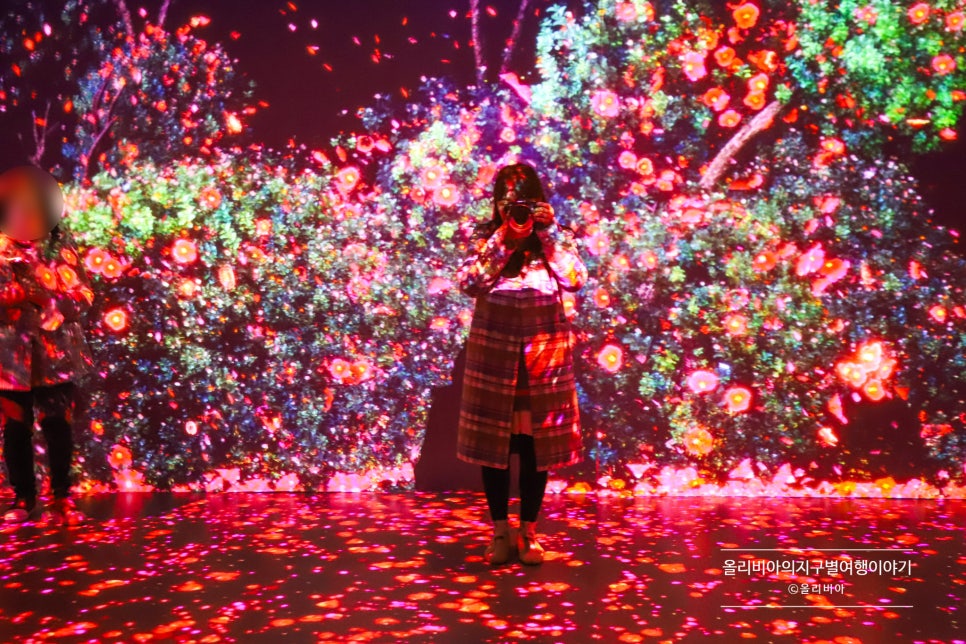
x=519, y=391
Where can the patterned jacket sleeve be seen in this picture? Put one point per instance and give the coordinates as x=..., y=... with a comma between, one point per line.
x=481, y=269
x=560, y=248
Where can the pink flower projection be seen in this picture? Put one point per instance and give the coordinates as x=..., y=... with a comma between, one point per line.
x=737, y=399
x=729, y=119
x=606, y=103
x=698, y=441
x=955, y=21
x=120, y=457
x=184, y=251
x=116, y=320
x=944, y=64
x=340, y=369
x=716, y=98
x=810, y=261
x=692, y=64
x=447, y=195
x=746, y=15
x=610, y=358
x=918, y=13
x=348, y=178
x=702, y=382
x=868, y=370
x=736, y=325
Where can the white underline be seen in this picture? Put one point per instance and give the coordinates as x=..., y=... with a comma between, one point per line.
x=820, y=606
x=817, y=549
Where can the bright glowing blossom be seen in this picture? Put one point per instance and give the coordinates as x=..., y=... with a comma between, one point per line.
x=347, y=178
x=810, y=261
x=120, y=457
x=447, y=195
x=868, y=14
x=724, y=56
x=955, y=21
x=737, y=399
x=716, y=98
x=697, y=441
x=764, y=261
x=736, y=325
x=184, y=251
x=745, y=15
x=116, y=320
x=944, y=64
x=610, y=358
x=729, y=118
x=340, y=369
x=692, y=64
x=702, y=381
x=601, y=298
x=918, y=13
x=606, y=103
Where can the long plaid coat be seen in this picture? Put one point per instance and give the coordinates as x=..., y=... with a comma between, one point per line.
x=508, y=325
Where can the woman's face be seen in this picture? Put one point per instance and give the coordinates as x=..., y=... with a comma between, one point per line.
x=509, y=196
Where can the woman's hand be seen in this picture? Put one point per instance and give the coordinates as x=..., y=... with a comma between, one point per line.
x=543, y=215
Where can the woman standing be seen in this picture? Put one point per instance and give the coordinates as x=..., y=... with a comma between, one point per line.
x=519, y=392
x=43, y=292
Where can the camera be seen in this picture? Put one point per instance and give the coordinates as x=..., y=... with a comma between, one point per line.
x=519, y=216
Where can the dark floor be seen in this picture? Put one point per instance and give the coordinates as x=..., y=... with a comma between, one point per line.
x=408, y=567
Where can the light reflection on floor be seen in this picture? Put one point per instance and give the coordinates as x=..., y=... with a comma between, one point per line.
x=408, y=567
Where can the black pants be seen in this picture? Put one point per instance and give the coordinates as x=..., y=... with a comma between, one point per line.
x=55, y=405
x=533, y=484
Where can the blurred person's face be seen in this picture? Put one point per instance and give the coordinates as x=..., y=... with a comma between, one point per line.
x=30, y=204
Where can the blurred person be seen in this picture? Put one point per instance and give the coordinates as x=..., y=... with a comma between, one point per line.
x=43, y=293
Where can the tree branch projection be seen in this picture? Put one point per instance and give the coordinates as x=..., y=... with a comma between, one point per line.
x=41, y=129
x=511, y=43
x=163, y=13
x=125, y=14
x=760, y=122
x=102, y=113
x=477, y=45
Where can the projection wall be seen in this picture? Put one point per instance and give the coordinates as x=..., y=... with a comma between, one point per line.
x=770, y=308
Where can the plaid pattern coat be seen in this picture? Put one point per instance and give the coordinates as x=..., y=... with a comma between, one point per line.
x=42, y=345
x=508, y=324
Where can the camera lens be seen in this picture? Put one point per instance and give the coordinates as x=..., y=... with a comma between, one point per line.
x=519, y=213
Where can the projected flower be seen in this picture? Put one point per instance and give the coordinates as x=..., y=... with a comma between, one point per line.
x=606, y=103
x=702, y=382
x=746, y=15
x=184, y=251
x=116, y=320
x=698, y=441
x=737, y=399
x=610, y=358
